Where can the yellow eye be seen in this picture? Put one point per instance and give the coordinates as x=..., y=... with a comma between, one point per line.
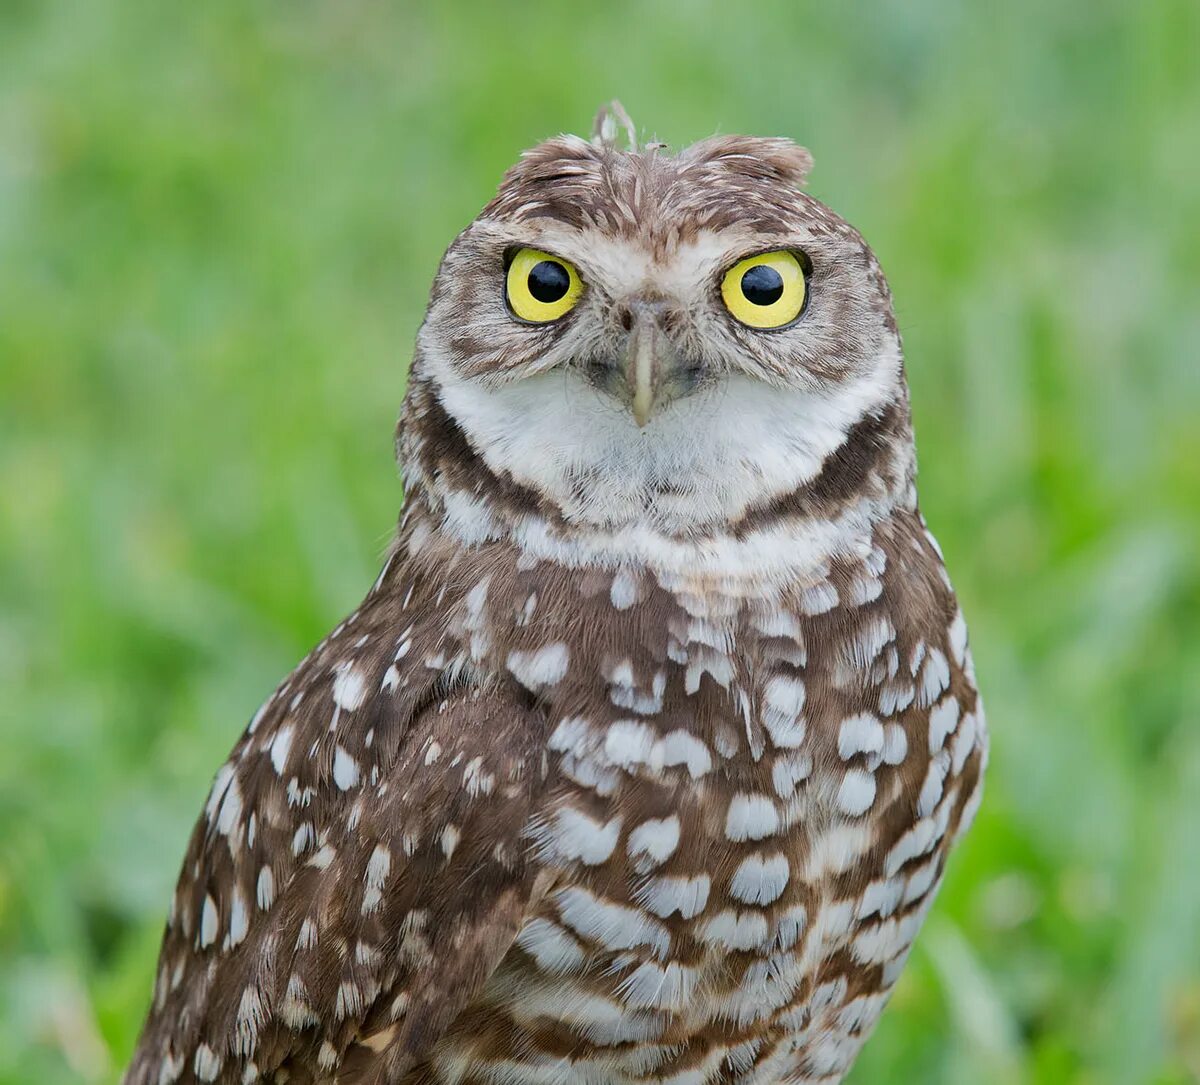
x=541, y=287
x=765, y=291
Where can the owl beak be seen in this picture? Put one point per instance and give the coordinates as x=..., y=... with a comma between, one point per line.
x=650, y=363
x=642, y=363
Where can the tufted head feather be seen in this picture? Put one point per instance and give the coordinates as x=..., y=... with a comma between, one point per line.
x=649, y=402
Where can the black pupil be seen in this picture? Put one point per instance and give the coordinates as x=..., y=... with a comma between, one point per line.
x=762, y=285
x=548, y=281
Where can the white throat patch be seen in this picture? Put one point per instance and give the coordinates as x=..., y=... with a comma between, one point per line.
x=701, y=464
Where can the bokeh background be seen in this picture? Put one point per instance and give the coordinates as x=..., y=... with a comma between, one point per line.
x=218, y=223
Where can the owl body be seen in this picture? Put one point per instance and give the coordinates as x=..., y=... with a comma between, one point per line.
x=641, y=760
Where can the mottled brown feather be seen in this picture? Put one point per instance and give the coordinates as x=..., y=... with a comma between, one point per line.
x=550, y=813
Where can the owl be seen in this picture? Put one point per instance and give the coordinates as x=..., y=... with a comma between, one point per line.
x=641, y=759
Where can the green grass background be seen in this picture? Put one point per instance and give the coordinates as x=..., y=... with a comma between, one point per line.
x=218, y=223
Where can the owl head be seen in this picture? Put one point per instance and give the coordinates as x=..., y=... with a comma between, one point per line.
x=675, y=341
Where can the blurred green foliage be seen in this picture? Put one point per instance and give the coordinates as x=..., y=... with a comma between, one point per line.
x=218, y=223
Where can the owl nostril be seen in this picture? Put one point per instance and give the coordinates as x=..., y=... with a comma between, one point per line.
x=652, y=308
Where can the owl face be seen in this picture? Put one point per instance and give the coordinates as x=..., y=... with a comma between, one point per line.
x=672, y=340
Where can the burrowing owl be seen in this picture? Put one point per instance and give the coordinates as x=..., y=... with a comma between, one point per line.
x=641, y=760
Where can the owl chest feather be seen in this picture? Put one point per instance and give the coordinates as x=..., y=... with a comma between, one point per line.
x=609, y=823
x=749, y=804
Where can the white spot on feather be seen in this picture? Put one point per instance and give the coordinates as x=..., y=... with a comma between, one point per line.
x=379, y=866
x=239, y=921
x=345, y=769
x=475, y=600
x=958, y=638
x=281, y=746
x=935, y=677
x=942, y=721
x=857, y=792
x=751, y=817
x=209, y=920
x=169, y=1069
x=838, y=849
x=573, y=835
x=303, y=838
x=654, y=986
x=220, y=785
x=553, y=948
x=874, y=635
x=327, y=1056
x=308, y=935
x=625, y=591
x=881, y=897
x=888, y=938
x=628, y=743
x=895, y=744
x=896, y=696
x=625, y=694
x=476, y=779
x=206, y=1064
x=783, y=701
x=919, y=840
x=349, y=689
x=818, y=599
x=324, y=857
x=655, y=838
x=760, y=879
x=667, y=895
x=860, y=734
x=735, y=930
x=778, y=623
x=250, y=1017
x=349, y=1001
x=682, y=748
x=543, y=667
x=964, y=743
x=614, y=926
x=295, y=1010
x=790, y=925
x=789, y=770
x=264, y=892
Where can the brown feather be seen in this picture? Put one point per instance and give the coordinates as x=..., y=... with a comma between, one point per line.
x=542, y=810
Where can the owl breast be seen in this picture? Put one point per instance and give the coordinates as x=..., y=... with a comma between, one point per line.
x=749, y=813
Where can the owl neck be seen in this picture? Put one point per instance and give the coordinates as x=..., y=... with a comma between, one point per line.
x=453, y=494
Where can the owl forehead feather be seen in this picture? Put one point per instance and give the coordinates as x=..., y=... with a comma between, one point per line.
x=714, y=184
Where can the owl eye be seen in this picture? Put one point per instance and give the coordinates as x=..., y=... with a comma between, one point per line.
x=767, y=290
x=541, y=287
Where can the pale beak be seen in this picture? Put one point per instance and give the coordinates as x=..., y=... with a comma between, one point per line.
x=650, y=364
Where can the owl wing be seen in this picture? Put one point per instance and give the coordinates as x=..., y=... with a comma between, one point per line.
x=357, y=875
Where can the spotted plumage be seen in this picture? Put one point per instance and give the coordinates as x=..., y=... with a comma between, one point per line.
x=641, y=760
